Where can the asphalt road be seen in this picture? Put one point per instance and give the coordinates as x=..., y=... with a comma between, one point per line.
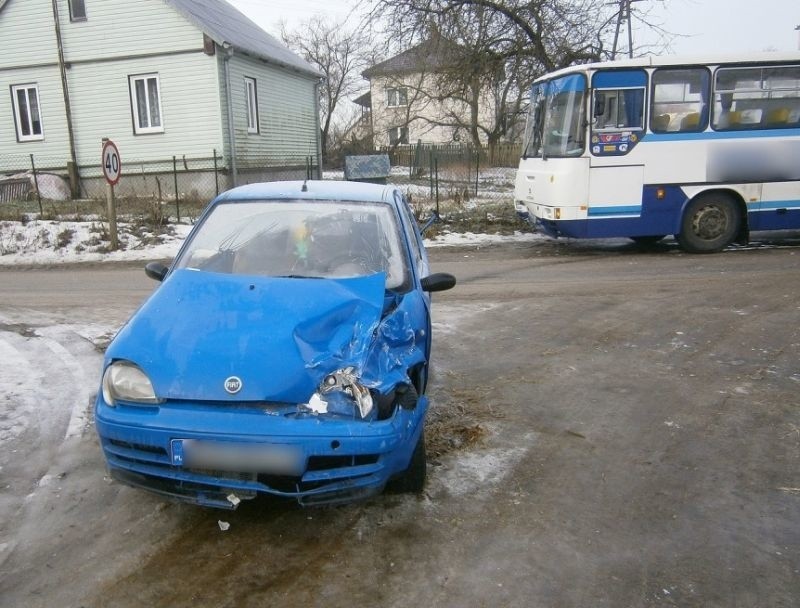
x=613, y=427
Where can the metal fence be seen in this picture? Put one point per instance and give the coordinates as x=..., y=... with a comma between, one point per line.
x=175, y=179
x=456, y=176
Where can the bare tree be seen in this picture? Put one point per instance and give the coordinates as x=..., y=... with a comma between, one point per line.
x=340, y=54
x=495, y=48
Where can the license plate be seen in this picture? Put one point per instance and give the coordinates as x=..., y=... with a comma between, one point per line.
x=272, y=458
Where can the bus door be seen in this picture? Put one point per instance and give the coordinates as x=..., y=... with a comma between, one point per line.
x=617, y=127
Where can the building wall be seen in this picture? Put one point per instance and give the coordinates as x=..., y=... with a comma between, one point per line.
x=121, y=38
x=286, y=111
x=423, y=112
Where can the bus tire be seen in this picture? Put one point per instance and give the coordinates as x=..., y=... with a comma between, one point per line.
x=710, y=223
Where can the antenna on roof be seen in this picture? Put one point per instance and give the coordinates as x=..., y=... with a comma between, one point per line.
x=308, y=174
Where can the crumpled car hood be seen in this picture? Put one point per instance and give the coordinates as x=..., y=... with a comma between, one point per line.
x=280, y=336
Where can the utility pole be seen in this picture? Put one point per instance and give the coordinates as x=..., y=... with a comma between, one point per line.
x=624, y=15
x=797, y=29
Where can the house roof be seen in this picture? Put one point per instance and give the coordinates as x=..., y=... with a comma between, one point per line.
x=435, y=53
x=223, y=23
x=364, y=100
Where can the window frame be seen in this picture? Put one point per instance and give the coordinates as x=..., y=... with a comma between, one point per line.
x=149, y=130
x=251, y=105
x=401, y=101
x=32, y=86
x=762, y=96
x=72, y=16
x=398, y=130
x=703, y=104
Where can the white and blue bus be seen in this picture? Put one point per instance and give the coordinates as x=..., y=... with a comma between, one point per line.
x=644, y=148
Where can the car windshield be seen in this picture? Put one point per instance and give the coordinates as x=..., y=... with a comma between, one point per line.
x=295, y=238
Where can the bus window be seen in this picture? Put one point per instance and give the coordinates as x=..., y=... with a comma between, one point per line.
x=682, y=94
x=616, y=109
x=555, y=122
x=757, y=98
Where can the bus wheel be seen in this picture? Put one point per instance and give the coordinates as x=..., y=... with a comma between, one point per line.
x=710, y=223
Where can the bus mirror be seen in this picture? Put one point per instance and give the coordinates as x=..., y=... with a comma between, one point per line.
x=599, y=105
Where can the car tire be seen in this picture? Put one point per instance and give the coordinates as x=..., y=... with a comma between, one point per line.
x=412, y=480
x=710, y=223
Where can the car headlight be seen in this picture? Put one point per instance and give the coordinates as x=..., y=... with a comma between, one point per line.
x=339, y=392
x=124, y=381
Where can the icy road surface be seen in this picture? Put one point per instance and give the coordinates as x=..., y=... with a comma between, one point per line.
x=614, y=427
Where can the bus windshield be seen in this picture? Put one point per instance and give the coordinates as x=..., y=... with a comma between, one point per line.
x=555, y=123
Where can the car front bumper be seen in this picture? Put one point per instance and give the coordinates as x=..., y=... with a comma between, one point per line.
x=340, y=460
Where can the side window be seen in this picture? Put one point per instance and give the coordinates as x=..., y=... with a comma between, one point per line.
x=77, y=10
x=410, y=228
x=146, y=104
x=616, y=109
x=756, y=97
x=396, y=97
x=680, y=100
x=27, y=115
x=251, y=100
x=398, y=135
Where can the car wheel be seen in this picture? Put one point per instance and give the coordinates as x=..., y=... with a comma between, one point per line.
x=412, y=480
x=710, y=223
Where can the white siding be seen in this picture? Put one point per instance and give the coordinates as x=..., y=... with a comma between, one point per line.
x=55, y=145
x=116, y=28
x=131, y=37
x=190, y=109
x=27, y=35
x=286, y=110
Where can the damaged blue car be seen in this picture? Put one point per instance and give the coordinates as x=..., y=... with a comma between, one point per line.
x=285, y=352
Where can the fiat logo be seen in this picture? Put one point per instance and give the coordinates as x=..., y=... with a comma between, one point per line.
x=233, y=385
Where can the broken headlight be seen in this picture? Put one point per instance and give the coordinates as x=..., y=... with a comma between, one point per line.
x=341, y=393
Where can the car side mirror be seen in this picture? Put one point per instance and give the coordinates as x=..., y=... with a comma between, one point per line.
x=156, y=270
x=439, y=281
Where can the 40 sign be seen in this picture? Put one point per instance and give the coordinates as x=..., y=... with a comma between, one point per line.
x=112, y=166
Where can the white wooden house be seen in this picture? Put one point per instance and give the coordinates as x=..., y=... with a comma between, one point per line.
x=191, y=79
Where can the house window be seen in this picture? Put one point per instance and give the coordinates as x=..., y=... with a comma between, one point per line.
x=27, y=115
x=398, y=135
x=396, y=97
x=251, y=97
x=146, y=104
x=77, y=10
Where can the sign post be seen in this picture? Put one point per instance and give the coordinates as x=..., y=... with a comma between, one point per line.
x=112, y=170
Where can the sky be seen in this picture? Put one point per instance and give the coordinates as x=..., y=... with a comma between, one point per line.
x=705, y=26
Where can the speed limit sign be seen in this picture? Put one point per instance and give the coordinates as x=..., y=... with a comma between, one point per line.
x=112, y=166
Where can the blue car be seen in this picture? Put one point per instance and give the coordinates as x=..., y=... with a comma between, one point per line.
x=286, y=352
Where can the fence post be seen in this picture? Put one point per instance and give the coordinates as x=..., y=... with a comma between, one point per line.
x=175, y=178
x=216, y=175
x=430, y=172
x=36, y=184
x=436, y=168
x=477, y=169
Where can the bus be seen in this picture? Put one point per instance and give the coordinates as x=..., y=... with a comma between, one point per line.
x=707, y=151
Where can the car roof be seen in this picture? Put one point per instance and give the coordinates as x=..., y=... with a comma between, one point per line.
x=314, y=190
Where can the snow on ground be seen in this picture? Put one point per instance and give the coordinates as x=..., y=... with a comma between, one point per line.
x=49, y=242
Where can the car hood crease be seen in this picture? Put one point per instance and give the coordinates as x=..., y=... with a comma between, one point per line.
x=279, y=336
